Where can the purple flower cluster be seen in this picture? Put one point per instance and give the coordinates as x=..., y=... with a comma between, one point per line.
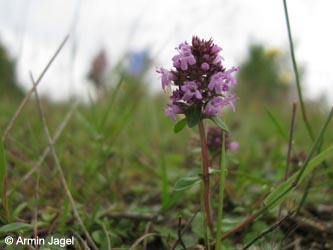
x=214, y=140
x=198, y=80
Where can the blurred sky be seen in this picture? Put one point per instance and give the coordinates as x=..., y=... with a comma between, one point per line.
x=33, y=29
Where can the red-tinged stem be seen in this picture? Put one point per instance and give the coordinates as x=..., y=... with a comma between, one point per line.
x=205, y=177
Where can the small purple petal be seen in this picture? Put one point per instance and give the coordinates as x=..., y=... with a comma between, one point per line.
x=191, y=60
x=171, y=110
x=183, y=64
x=215, y=49
x=205, y=66
x=175, y=97
x=206, y=57
x=213, y=107
x=222, y=81
x=229, y=100
x=216, y=83
x=184, y=58
x=190, y=89
x=198, y=94
x=167, y=77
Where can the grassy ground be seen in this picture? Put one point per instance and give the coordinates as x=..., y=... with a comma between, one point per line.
x=121, y=160
x=108, y=173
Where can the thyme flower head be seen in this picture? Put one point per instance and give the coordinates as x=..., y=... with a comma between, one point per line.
x=198, y=82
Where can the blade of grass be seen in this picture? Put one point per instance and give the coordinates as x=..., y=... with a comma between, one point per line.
x=295, y=68
x=174, y=245
x=268, y=230
x=277, y=124
x=290, y=141
x=299, y=91
x=284, y=188
x=35, y=215
x=31, y=91
x=287, y=186
x=59, y=168
x=286, y=175
x=164, y=184
x=315, y=145
x=110, y=104
x=138, y=241
x=3, y=179
x=46, y=151
x=3, y=163
x=221, y=196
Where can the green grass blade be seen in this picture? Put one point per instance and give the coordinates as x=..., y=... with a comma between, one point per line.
x=164, y=184
x=104, y=119
x=3, y=164
x=277, y=124
x=221, y=196
x=295, y=68
x=282, y=190
x=286, y=187
x=3, y=179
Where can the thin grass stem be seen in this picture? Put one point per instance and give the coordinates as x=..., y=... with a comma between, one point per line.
x=59, y=168
x=299, y=90
x=31, y=91
x=290, y=142
x=221, y=195
x=314, y=147
x=174, y=245
x=35, y=218
x=268, y=230
x=287, y=171
x=295, y=68
x=293, y=184
x=46, y=151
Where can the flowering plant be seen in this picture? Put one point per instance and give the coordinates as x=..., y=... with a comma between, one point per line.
x=199, y=85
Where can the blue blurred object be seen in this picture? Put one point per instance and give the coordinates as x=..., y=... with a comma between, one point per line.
x=138, y=62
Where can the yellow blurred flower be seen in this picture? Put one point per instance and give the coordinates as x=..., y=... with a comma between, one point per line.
x=273, y=52
x=285, y=78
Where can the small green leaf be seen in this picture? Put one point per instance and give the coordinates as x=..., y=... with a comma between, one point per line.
x=217, y=120
x=98, y=236
x=15, y=226
x=196, y=226
x=187, y=182
x=193, y=115
x=179, y=125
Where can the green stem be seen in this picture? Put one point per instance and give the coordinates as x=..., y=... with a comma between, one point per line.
x=221, y=196
x=298, y=83
x=205, y=177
